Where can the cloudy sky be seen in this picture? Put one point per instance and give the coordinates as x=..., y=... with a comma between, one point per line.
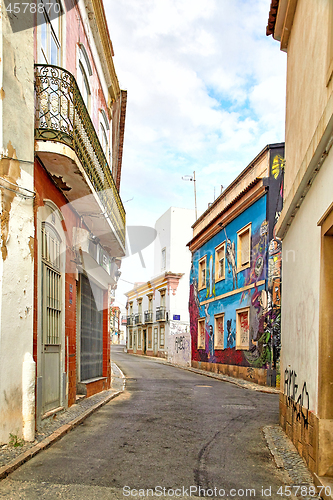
x=206, y=93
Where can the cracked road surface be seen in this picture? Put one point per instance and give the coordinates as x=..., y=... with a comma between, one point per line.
x=170, y=428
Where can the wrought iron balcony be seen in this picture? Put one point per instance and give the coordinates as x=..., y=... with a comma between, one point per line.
x=61, y=116
x=137, y=319
x=160, y=313
x=148, y=317
x=130, y=320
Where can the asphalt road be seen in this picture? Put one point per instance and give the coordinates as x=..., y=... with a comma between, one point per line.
x=170, y=429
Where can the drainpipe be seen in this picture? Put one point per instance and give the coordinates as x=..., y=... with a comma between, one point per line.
x=28, y=397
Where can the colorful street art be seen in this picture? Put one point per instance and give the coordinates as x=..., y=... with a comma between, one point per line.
x=231, y=260
x=258, y=330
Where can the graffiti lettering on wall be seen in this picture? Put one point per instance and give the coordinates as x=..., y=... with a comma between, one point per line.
x=180, y=344
x=299, y=401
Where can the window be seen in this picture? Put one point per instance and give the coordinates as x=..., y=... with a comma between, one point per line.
x=139, y=338
x=49, y=34
x=162, y=336
x=163, y=298
x=219, y=331
x=150, y=303
x=201, y=333
x=104, y=131
x=220, y=262
x=83, y=83
x=202, y=273
x=243, y=247
x=84, y=72
x=243, y=328
x=163, y=259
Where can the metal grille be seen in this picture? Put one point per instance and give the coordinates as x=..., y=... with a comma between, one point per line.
x=91, y=330
x=51, y=286
x=62, y=116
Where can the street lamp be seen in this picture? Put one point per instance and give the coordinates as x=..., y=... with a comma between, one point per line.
x=192, y=178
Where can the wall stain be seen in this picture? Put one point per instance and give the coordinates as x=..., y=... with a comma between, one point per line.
x=9, y=170
x=31, y=247
x=2, y=94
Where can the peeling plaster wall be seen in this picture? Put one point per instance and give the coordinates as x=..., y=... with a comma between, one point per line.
x=17, y=230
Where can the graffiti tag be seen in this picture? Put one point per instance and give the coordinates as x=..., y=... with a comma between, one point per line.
x=300, y=402
x=180, y=344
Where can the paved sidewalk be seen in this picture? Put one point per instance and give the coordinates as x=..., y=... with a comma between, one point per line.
x=288, y=459
x=57, y=426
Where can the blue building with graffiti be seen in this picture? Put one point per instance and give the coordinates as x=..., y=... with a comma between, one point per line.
x=235, y=281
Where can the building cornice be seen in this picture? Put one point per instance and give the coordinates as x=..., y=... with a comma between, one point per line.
x=247, y=197
x=313, y=160
x=98, y=20
x=166, y=280
x=280, y=21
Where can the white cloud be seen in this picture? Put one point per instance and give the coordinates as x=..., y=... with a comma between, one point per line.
x=206, y=92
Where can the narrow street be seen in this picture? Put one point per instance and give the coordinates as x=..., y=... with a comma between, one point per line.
x=170, y=428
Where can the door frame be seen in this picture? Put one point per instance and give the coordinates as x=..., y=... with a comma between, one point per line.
x=50, y=214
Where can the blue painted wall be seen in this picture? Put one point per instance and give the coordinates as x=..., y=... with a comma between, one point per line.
x=259, y=353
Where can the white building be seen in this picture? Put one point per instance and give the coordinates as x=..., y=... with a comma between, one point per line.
x=157, y=311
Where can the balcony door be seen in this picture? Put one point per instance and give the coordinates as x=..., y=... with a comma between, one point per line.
x=155, y=344
x=51, y=318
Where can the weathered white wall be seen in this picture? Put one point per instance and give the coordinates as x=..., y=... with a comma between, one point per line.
x=300, y=285
x=17, y=229
x=179, y=343
x=174, y=231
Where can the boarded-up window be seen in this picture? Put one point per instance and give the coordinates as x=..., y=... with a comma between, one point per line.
x=201, y=334
x=244, y=247
x=202, y=273
x=219, y=332
x=242, y=329
x=220, y=262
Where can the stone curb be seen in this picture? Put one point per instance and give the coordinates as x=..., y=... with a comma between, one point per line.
x=52, y=438
x=244, y=384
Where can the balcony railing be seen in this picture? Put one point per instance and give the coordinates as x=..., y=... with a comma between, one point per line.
x=137, y=319
x=148, y=317
x=62, y=116
x=130, y=320
x=160, y=313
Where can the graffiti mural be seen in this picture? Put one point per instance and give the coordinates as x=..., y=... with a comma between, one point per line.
x=231, y=260
x=255, y=288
